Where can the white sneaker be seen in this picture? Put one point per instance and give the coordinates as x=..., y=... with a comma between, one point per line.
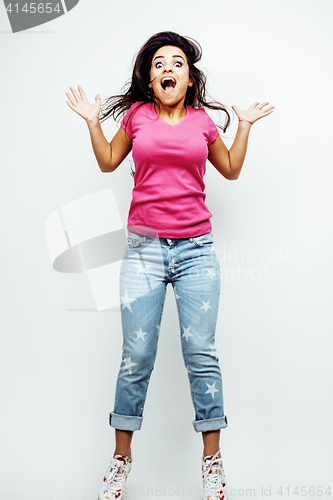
x=214, y=483
x=112, y=487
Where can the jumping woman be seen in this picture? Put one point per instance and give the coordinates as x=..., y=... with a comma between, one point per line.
x=170, y=240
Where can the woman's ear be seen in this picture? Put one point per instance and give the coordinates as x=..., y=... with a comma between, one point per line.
x=190, y=83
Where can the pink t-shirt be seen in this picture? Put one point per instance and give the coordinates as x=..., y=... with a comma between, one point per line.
x=170, y=162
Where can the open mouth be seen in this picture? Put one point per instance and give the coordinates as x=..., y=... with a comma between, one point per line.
x=168, y=83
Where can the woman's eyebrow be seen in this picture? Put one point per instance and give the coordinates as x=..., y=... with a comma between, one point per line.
x=162, y=57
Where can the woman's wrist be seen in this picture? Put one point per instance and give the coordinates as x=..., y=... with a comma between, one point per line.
x=244, y=120
x=92, y=123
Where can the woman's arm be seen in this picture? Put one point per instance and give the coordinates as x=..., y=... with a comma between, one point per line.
x=229, y=163
x=108, y=155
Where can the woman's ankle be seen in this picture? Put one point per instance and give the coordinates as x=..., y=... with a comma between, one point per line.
x=123, y=441
x=123, y=452
x=211, y=442
x=211, y=451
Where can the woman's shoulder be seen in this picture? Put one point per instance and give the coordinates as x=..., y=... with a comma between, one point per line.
x=139, y=104
x=135, y=108
x=135, y=116
x=200, y=114
x=132, y=110
x=204, y=122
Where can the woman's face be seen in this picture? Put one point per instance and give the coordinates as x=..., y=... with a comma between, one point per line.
x=169, y=75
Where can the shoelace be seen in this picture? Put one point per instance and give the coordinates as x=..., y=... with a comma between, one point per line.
x=213, y=480
x=115, y=479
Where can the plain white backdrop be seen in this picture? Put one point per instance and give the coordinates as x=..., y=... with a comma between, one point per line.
x=273, y=234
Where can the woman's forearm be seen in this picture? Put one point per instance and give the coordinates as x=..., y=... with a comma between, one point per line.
x=101, y=146
x=238, y=149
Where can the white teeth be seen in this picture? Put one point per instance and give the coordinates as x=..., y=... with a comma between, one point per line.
x=168, y=78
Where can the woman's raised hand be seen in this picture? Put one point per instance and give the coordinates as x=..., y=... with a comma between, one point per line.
x=79, y=103
x=256, y=111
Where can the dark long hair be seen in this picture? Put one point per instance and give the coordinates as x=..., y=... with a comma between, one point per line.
x=137, y=89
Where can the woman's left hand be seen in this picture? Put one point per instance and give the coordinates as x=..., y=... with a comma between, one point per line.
x=256, y=111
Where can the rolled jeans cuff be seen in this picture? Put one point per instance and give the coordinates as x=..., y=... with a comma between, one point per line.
x=125, y=422
x=212, y=424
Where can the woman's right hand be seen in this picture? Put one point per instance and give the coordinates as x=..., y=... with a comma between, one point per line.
x=81, y=106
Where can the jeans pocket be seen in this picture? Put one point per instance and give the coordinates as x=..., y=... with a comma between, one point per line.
x=204, y=239
x=134, y=240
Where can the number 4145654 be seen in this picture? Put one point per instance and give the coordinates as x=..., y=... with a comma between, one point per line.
x=34, y=7
x=303, y=491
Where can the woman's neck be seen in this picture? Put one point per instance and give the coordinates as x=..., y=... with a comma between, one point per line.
x=171, y=114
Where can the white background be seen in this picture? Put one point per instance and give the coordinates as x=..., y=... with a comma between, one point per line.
x=60, y=358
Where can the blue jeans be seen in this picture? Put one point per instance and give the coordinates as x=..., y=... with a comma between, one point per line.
x=192, y=267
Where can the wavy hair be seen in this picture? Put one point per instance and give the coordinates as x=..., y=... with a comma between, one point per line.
x=137, y=88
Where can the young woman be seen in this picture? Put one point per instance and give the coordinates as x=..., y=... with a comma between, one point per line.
x=169, y=236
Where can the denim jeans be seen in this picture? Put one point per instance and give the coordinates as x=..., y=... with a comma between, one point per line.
x=192, y=268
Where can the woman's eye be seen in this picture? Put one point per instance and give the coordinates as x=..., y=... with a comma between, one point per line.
x=178, y=64
x=158, y=65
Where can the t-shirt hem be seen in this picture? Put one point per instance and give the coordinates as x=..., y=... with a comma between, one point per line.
x=188, y=232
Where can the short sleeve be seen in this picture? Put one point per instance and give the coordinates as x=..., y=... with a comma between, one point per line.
x=212, y=130
x=126, y=122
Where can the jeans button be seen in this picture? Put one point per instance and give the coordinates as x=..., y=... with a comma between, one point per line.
x=191, y=240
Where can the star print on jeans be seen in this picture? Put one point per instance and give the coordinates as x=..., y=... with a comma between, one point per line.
x=129, y=365
x=141, y=268
x=211, y=273
x=187, y=333
x=140, y=334
x=211, y=389
x=212, y=351
x=205, y=306
x=127, y=301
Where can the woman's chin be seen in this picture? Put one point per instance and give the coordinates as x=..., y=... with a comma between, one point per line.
x=170, y=99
